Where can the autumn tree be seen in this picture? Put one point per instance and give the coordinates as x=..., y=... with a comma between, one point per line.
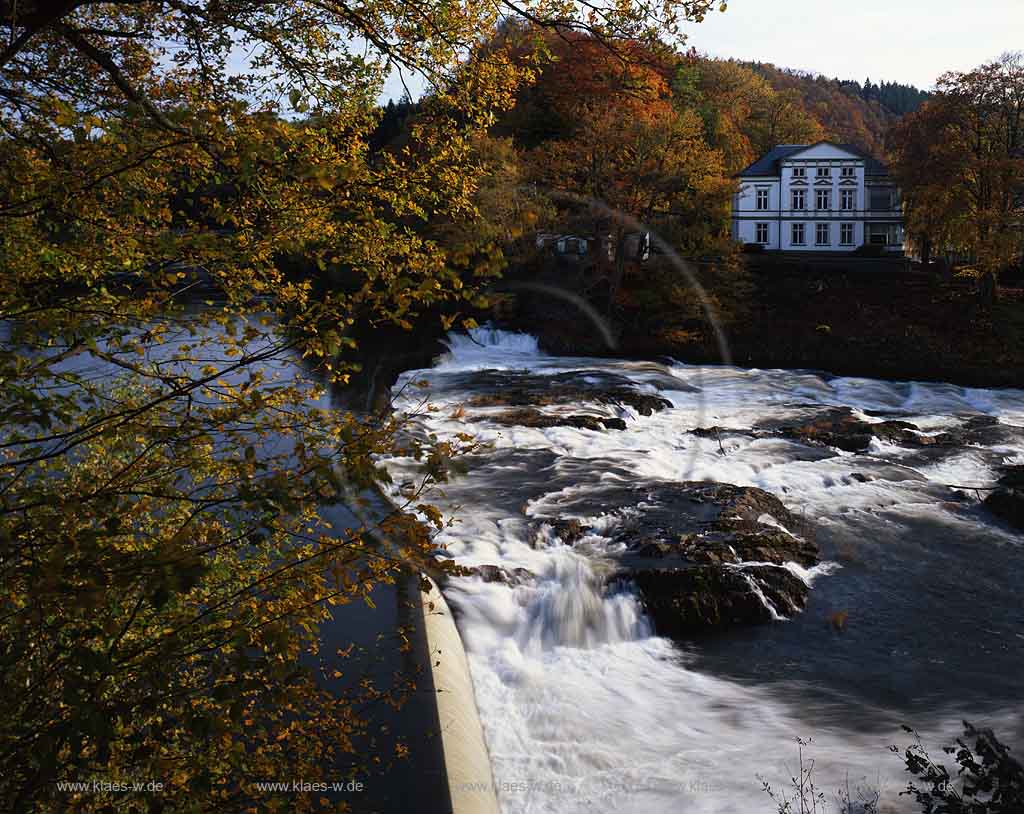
x=166, y=552
x=844, y=113
x=926, y=156
x=960, y=160
x=626, y=154
x=745, y=117
x=734, y=93
x=780, y=118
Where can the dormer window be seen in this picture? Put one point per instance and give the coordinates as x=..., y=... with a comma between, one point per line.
x=824, y=172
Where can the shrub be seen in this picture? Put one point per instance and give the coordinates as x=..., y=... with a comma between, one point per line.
x=991, y=781
x=988, y=781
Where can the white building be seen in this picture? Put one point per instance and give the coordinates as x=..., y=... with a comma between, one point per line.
x=820, y=197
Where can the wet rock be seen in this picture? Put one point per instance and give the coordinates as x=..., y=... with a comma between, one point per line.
x=528, y=417
x=987, y=431
x=717, y=549
x=744, y=508
x=1013, y=477
x=655, y=549
x=1007, y=502
x=568, y=531
x=704, y=554
x=685, y=601
x=526, y=390
x=702, y=523
x=840, y=428
x=495, y=573
x=980, y=422
x=764, y=546
x=708, y=432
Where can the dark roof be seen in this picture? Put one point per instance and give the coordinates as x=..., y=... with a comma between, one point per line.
x=768, y=165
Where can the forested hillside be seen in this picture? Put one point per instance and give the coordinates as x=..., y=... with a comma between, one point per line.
x=747, y=108
x=848, y=111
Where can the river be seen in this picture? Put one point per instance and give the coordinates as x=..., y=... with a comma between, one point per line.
x=585, y=709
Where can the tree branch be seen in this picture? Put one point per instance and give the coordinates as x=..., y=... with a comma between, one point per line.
x=105, y=61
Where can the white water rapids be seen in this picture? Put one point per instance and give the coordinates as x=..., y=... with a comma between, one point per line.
x=584, y=709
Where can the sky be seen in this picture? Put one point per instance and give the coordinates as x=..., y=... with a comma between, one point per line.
x=908, y=41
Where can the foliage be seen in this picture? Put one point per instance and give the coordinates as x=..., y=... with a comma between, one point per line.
x=927, y=158
x=679, y=306
x=990, y=780
x=607, y=142
x=636, y=154
x=893, y=96
x=166, y=548
x=960, y=160
x=845, y=112
x=745, y=116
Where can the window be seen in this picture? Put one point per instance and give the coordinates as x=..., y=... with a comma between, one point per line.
x=848, y=200
x=762, y=233
x=824, y=172
x=883, y=234
x=824, y=199
x=762, y=199
x=798, y=234
x=822, y=235
x=799, y=198
x=881, y=199
x=846, y=234
x=849, y=172
x=799, y=172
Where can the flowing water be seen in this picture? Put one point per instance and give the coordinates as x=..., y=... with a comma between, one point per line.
x=585, y=709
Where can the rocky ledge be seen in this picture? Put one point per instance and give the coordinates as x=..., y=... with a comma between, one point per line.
x=684, y=601
x=705, y=555
x=841, y=428
x=530, y=417
x=495, y=573
x=524, y=393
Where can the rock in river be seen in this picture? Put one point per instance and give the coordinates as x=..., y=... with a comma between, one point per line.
x=684, y=601
x=709, y=555
x=839, y=427
x=1007, y=502
x=530, y=417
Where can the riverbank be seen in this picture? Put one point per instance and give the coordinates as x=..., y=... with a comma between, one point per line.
x=883, y=326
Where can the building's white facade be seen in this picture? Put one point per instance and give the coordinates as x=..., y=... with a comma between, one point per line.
x=820, y=197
